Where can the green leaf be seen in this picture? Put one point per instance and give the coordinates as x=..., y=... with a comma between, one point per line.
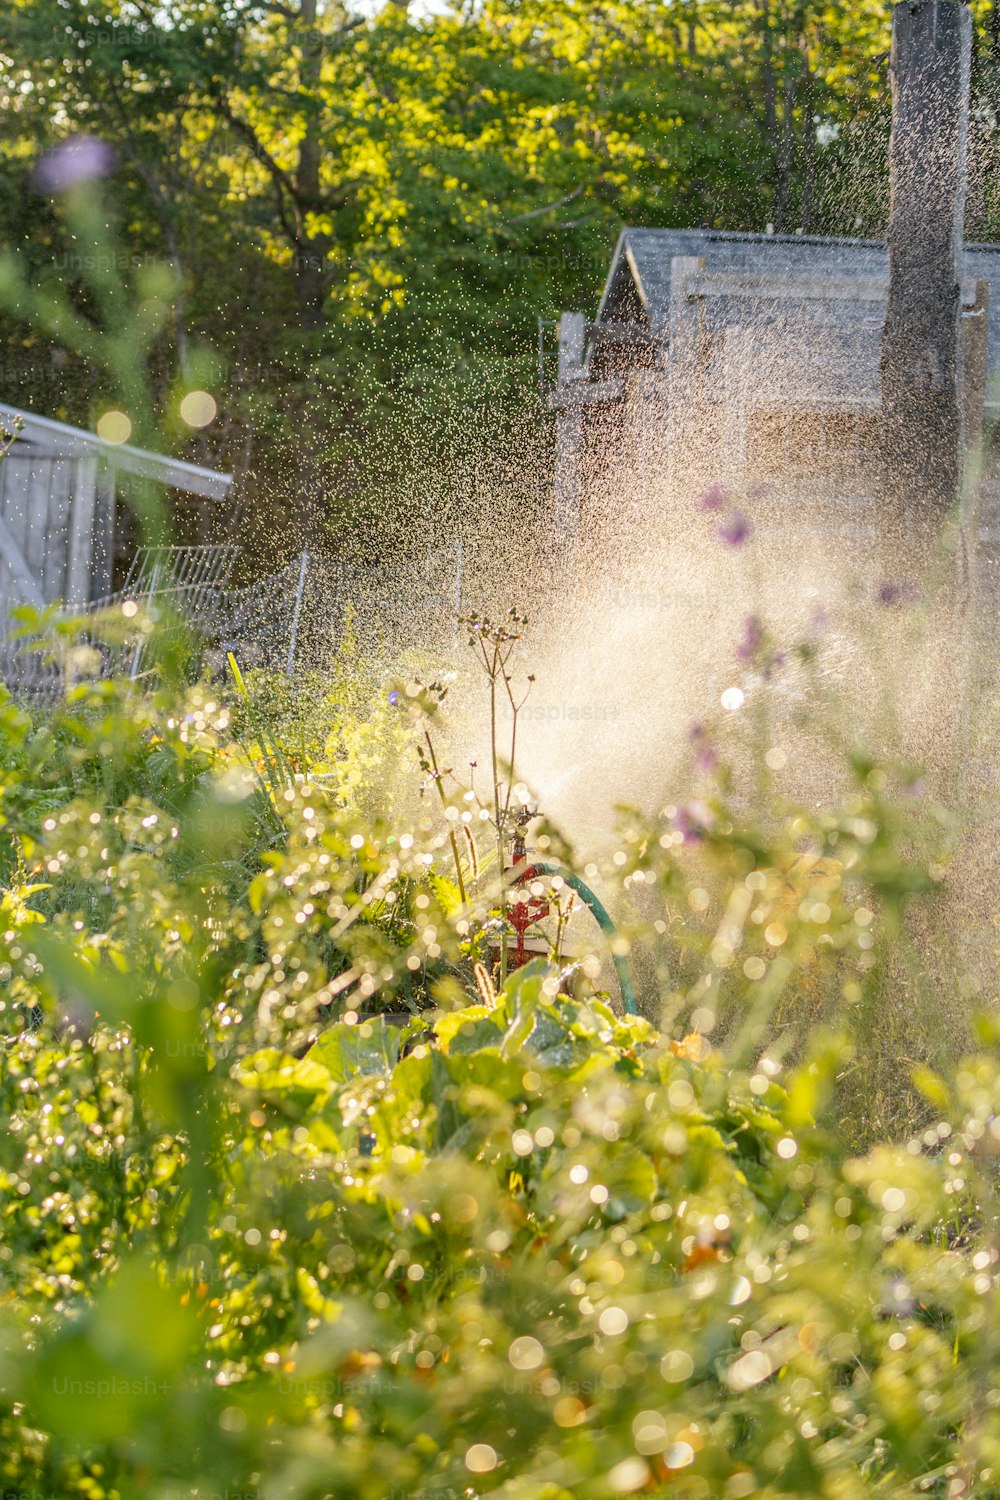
x=468, y=1030
x=519, y=999
x=370, y=1047
x=932, y=1086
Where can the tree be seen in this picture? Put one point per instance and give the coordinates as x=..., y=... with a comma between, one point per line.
x=368, y=213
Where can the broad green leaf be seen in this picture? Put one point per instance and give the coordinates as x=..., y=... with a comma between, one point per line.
x=369, y=1047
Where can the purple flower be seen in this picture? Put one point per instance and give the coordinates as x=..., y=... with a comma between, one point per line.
x=81, y=159
x=690, y=824
x=705, y=759
x=890, y=594
x=735, y=530
x=394, y=698
x=774, y=664
x=714, y=498
x=753, y=636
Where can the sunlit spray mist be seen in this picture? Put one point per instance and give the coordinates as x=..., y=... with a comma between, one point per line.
x=699, y=597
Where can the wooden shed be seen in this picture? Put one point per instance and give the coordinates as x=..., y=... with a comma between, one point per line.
x=65, y=529
x=742, y=358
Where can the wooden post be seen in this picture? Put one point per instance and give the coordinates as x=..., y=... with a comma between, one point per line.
x=81, y=531
x=975, y=367
x=921, y=362
x=687, y=352
x=57, y=528
x=973, y=665
x=103, y=561
x=974, y=362
x=738, y=366
x=568, y=486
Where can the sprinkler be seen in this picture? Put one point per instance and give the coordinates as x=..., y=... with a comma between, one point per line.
x=526, y=911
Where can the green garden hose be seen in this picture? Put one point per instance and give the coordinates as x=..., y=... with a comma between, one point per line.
x=600, y=913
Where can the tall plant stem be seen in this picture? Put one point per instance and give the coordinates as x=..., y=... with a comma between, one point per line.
x=498, y=819
x=451, y=832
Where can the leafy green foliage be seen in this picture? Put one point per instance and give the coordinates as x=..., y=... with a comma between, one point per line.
x=292, y=1204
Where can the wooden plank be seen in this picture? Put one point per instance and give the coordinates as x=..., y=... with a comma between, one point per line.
x=922, y=426
x=793, y=286
x=973, y=592
x=5, y=480
x=568, y=478
x=25, y=583
x=172, y=473
x=572, y=338
x=739, y=359
x=568, y=486
x=637, y=282
x=975, y=351
x=687, y=357
x=789, y=287
x=81, y=531
x=17, y=481
x=36, y=529
x=57, y=541
x=103, y=562
x=175, y=473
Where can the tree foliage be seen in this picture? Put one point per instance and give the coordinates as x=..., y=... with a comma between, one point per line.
x=368, y=211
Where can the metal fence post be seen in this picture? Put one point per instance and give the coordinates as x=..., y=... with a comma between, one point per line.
x=297, y=613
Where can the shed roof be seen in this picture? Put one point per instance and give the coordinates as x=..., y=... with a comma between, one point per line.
x=641, y=266
x=58, y=439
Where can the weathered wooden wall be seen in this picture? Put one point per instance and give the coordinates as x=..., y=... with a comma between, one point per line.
x=48, y=503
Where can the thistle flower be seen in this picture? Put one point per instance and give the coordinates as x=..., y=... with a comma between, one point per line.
x=691, y=823
x=705, y=758
x=735, y=530
x=714, y=498
x=753, y=637
x=891, y=594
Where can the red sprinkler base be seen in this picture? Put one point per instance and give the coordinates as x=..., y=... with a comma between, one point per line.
x=524, y=911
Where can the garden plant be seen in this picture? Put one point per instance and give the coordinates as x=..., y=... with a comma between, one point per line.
x=300, y=1198
x=306, y=1190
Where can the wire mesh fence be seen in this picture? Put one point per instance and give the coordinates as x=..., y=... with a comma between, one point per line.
x=292, y=621
x=195, y=577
